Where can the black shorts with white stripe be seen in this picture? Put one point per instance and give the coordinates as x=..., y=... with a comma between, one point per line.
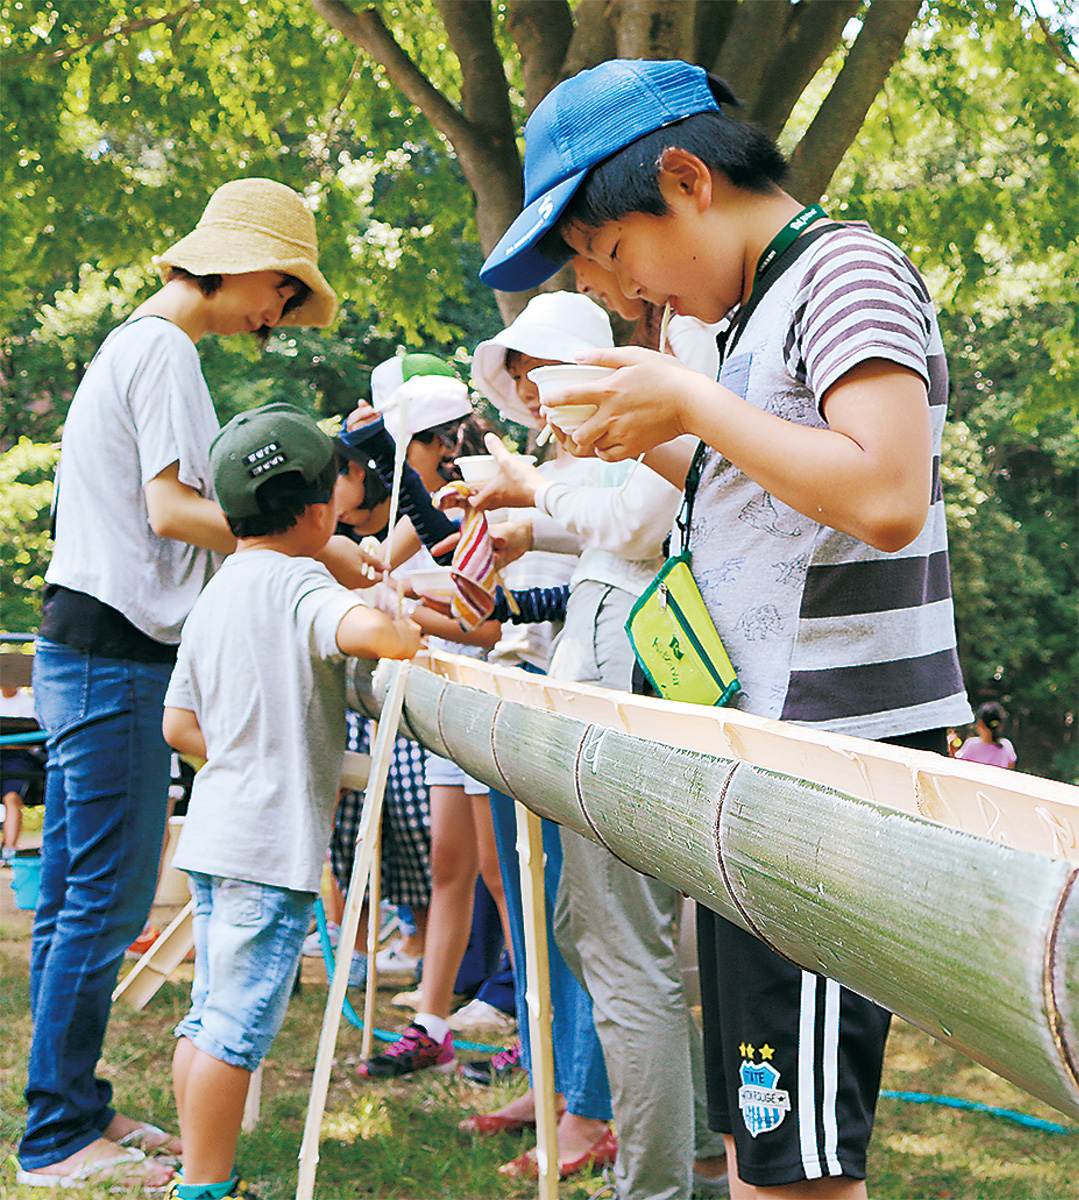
x=792, y=1060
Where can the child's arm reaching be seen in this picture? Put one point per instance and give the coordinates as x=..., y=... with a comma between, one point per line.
x=367, y=633
x=183, y=732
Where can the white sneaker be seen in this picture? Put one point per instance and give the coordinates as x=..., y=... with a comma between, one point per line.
x=480, y=1017
x=394, y=961
x=312, y=944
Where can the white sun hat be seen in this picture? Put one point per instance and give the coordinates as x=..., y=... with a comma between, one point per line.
x=553, y=325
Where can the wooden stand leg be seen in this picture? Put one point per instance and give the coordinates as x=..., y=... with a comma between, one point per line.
x=374, y=899
x=538, y=996
x=253, y=1102
x=361, y=869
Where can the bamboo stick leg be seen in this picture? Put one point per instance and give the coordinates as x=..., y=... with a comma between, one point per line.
x=253, y=1101
x=374, y=897
x=538, y=996
x=361, y=868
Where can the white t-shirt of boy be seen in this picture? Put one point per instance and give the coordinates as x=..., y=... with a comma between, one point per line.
x=823, y=629
x=142, y=405
x=260, y=668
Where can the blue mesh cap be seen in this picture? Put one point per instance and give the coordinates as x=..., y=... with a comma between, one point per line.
x=579, y=123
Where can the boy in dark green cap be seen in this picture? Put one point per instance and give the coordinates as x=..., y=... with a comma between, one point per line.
x=258, y=691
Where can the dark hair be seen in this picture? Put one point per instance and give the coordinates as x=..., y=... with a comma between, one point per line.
x=208, y=284
x=282, y=499
x=992, y=716
x=628, y=180
x=374, y=490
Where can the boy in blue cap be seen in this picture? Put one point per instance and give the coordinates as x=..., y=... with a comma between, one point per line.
x=815, y=515
x=258, y=691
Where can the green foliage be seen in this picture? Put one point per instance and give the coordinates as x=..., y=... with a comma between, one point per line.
x=26, y=472
x=112, y=145
x=968, y=160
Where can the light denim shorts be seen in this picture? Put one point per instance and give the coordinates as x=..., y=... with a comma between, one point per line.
x=441, y=772
x=248, y=945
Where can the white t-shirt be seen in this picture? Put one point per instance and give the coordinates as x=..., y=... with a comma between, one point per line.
x=260, y=668
x=142, y=405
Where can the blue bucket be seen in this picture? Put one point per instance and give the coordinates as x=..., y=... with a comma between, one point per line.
x=25, y=880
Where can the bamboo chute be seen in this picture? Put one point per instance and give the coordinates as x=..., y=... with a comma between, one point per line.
x=945, y=891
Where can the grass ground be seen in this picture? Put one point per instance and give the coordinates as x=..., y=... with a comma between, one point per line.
x=399, y=1141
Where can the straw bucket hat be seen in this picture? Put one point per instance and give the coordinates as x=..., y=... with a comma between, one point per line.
x=257, y=225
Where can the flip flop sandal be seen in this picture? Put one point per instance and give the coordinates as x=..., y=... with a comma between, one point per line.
x=101, y=1170
x=143, y=1133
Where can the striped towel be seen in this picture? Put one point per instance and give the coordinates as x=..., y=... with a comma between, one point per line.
x=473, y=569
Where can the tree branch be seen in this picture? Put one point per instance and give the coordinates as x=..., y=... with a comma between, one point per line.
x=118, y=31
x=1050, y=37
x=542, y=31
x=839, y=118
x=748, y=53
x=367, y=31
x=593, y=38
x=713, y=23
x=812, y=34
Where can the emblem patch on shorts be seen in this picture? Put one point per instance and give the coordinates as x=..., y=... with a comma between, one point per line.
x=764, y=1105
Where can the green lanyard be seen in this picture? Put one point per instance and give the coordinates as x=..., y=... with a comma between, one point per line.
x=783, y=239
x=775, y=248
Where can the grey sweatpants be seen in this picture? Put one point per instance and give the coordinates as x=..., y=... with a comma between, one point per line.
x=618, y=931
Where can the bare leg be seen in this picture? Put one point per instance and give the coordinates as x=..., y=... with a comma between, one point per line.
x=836, y=1187
x=210, y=1099
x=454, y=865
x=12, y=820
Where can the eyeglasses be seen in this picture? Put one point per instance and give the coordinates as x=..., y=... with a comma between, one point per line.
x=448, y=433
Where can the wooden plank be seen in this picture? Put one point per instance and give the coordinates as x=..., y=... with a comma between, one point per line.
x=144, y=979
x=1010, y=807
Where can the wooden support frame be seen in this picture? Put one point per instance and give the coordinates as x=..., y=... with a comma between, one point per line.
x=362, y=861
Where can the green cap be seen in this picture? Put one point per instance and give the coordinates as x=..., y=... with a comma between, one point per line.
x=260, y=445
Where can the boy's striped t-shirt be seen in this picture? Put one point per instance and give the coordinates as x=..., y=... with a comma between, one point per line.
x=822, y=628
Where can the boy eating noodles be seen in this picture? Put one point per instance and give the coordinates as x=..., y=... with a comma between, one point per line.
x=815, y=515
x=259, y=692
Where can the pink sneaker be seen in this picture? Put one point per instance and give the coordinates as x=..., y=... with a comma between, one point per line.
x=415, y=1050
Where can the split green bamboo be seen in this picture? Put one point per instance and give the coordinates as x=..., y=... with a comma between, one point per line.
x=973, y=940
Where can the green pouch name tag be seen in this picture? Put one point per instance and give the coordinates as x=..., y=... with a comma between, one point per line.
x=676, y=643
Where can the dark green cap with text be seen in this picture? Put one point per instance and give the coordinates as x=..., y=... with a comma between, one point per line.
x=258, y=445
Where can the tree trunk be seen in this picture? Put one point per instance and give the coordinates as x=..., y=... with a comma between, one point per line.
x=652, y=28
x=875, y=50
x=767, y=49
x=811, y=35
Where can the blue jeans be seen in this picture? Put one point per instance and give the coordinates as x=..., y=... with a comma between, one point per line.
x=106, y=796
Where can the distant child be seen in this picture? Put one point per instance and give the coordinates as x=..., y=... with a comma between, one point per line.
x=259, y=692
x=815, y=515
x=987, y=745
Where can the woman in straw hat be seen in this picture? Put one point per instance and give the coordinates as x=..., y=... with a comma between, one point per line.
x=137, y=535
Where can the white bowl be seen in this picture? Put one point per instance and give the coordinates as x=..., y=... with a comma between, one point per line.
x=554, y=380
x=482, y=468
x=568, y=417
x=435, y=584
